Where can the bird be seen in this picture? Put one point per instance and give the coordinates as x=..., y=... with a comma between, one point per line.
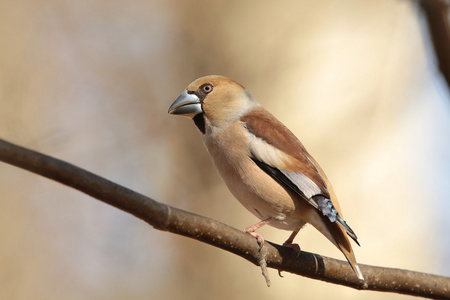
x=263, y=164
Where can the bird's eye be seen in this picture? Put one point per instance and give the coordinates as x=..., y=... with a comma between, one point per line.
x=207, y=88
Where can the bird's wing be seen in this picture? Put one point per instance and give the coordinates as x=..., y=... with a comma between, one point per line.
x=276, y=150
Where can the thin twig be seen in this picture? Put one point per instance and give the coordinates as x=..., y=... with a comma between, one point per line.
x=167, y=218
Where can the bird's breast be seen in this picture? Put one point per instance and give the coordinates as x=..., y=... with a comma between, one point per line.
x=254, y=189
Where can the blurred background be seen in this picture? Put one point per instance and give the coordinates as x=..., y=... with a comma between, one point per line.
x=90, y=82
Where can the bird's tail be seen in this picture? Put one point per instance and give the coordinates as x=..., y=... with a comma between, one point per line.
x=339, y=229
x=350, y=256
x=340, y=239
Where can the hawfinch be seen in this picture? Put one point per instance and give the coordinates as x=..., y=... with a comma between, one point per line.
x=263, y=164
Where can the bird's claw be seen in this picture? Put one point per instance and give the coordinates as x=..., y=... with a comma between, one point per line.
x=259, y=238
x=296, y=247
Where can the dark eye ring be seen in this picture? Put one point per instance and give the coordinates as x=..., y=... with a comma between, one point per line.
x=207, y=88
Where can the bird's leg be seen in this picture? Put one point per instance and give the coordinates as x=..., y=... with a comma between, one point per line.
x=259, y=237
x=289, y=242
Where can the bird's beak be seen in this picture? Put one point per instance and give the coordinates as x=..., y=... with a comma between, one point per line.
x=187, y=105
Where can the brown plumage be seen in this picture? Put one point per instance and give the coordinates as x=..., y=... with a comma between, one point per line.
x=282, y=138
x=262, y=162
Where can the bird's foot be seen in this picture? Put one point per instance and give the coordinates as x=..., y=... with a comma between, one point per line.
x=289, y=242
x=259, y=237
x=296, y=247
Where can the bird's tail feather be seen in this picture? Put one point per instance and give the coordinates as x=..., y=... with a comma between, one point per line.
x=352, y=261
x=343, y=243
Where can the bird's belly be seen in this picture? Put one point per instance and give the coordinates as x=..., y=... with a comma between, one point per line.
x=257, y=191
x=261, y=194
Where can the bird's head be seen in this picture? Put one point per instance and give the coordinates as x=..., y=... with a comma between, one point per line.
x=213, y=99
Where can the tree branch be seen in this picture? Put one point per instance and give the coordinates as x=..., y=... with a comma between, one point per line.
x=167, y=218
x=437, y=13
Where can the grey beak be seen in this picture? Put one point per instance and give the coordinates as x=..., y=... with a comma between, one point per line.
x=187, y=105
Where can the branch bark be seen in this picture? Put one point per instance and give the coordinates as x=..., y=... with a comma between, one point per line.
x=167, y=218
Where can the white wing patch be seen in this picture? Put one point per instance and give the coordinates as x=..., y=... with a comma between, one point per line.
x=274, y=157
x=306, y=185
x=265, y=152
